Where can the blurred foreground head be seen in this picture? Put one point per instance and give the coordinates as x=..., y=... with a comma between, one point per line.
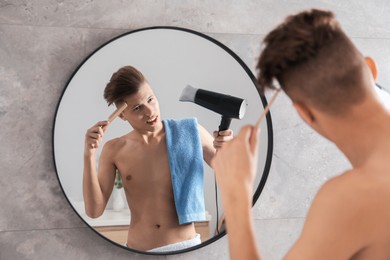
x=315, y=63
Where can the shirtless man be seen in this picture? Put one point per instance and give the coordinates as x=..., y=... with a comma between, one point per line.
x=332, y=89
x=142, y=160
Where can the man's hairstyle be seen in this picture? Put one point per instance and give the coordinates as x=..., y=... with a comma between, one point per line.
x=314, y=62
x=125, y=82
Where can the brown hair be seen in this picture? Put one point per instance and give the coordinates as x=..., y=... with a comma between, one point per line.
x=125, y=82
x=313, y=61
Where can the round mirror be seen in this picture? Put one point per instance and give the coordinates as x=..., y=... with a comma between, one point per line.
x=170, y=58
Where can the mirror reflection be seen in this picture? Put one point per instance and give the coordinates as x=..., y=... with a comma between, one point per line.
x=159, y=161
x=132, y=189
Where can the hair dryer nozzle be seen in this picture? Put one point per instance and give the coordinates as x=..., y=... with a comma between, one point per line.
x=188, y=94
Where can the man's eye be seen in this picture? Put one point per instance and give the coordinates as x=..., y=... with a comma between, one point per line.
x=136, y=108
x=150, y=99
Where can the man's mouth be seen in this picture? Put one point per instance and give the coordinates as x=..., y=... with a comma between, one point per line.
x=152, y=120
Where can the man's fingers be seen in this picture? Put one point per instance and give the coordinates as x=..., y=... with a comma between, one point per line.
x=217, y=144
x=223, y=138
x=101, y=126
x=98, y=128
x=249, y=134
x=95, y=136
x=102, y=123
x=101, y=130
x=245, y=132
x=227, y=132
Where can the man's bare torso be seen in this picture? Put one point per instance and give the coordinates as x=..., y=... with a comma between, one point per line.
x=144, y=168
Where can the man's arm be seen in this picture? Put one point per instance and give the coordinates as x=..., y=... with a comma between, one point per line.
x=97, y=188
x=235, y=165
x=339, y=222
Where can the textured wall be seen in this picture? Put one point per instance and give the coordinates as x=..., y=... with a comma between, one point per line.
x=41, y=44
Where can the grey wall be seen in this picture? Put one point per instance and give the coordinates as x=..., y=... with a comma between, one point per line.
x=41, y=44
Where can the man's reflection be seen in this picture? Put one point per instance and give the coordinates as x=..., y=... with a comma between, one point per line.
x=159, y=220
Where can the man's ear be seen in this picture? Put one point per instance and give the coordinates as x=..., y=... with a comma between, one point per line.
x=304, y=112
x=372, y=65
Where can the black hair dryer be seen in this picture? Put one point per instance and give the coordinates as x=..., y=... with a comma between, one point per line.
x=227, y=106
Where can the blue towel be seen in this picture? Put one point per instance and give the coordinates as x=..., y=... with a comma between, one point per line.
x=186, y=165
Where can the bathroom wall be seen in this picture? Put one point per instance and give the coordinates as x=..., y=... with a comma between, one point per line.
x=41, y=44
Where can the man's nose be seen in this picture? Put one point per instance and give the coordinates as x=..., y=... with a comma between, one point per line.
x=148, y=110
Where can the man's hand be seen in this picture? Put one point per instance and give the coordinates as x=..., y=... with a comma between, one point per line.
x=221, y=137
x=94, y=136
x=235, y=163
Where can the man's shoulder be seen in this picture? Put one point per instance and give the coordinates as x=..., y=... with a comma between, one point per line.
x=349, y=187
x=120, y=142
x=114, y=142
x=352, y=198
x=355, y=184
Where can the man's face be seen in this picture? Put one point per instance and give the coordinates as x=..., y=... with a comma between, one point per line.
x=143, y=111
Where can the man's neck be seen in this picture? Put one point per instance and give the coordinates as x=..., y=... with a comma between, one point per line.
x=361, y=135
x=151, y=137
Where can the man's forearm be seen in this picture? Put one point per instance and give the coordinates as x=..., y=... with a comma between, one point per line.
x=242, y=242
x=93, y=197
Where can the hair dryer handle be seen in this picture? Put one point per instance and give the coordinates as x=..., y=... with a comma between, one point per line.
x=225, y=123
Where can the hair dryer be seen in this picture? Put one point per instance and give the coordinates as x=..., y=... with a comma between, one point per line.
x=227, y=106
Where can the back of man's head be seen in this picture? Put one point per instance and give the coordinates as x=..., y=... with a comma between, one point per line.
x=314, y=62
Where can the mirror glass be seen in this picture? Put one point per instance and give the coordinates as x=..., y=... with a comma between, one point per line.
x=170, y=58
